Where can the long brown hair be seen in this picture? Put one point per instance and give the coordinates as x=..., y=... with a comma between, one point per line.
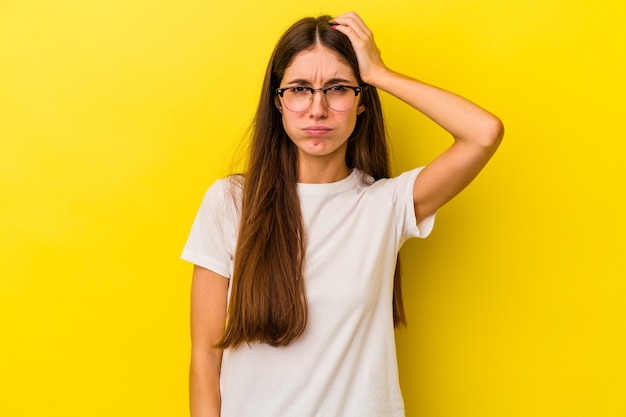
x=268, y=301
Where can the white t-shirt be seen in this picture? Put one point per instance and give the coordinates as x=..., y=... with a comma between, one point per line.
x=344, y=365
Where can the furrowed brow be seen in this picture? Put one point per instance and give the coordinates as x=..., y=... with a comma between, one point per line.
x=332, y=81
x=335, y=81
x=299, y=81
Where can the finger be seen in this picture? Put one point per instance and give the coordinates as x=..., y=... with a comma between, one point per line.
x=354, y=23
x=353, y=20
x=357, y=37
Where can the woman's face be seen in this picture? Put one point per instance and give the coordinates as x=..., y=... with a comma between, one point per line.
x=319, y=131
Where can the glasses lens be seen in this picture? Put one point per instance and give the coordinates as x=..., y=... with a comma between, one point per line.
x=297, y=98
x=338, y=98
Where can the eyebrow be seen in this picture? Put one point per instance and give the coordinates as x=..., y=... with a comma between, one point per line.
x=302, y=81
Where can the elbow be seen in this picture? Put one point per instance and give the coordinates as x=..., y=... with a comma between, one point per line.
x=492, y=132
x=497, y=130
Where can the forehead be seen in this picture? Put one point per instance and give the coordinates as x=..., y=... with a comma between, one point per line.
x=318, y=64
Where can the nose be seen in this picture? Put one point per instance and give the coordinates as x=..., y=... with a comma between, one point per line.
x=319, y=107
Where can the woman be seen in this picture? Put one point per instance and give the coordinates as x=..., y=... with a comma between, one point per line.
x=304, y=244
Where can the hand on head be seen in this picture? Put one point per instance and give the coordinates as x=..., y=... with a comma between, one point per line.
x=362, y=39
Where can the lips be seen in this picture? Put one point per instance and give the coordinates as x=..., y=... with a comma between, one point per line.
x=316, y=130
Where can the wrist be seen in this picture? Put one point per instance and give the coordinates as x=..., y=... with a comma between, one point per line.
x=378, y=77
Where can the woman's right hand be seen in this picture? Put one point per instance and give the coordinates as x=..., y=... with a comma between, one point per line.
x=362, y=39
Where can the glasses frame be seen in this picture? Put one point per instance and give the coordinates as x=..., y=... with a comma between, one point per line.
x=281, y=91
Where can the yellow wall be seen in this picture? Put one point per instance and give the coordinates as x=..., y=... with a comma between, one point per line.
x=116, y=115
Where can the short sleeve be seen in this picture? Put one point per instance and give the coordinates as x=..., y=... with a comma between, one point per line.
x=211, y=241
x=406, y=207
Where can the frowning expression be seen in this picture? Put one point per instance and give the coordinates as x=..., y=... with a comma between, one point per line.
x=319, y=131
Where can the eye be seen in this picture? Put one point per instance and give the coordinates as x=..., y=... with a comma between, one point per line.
x=338, y=90
x=299, y=90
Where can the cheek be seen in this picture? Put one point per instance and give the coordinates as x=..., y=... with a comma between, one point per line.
x=351, y=120
x=289, y=124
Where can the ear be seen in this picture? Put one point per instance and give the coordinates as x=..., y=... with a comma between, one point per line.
x=360, y=110
x=277, y=103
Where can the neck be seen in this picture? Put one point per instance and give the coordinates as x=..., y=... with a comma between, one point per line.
x=318, y=171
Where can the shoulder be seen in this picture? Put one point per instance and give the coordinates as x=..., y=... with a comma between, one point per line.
x=232, y=183
x=402, y=181
x=224, y=193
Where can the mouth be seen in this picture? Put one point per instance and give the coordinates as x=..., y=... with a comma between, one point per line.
x=316, y=130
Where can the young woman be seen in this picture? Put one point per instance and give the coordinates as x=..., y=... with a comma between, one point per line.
x=295, y=288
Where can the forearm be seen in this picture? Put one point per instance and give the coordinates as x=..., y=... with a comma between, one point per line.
x=468, y=123
x=208, y=317
x=464, y=120
x=204, y=384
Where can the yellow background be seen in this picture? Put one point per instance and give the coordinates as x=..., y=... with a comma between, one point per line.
x=116, y=115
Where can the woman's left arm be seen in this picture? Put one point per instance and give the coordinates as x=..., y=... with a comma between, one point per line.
x=476, y=132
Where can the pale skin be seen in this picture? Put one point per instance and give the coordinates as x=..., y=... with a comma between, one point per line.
x=321, y=159
x=319, y=133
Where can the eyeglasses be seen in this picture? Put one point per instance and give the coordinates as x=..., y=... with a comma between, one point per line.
x=338, y=97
